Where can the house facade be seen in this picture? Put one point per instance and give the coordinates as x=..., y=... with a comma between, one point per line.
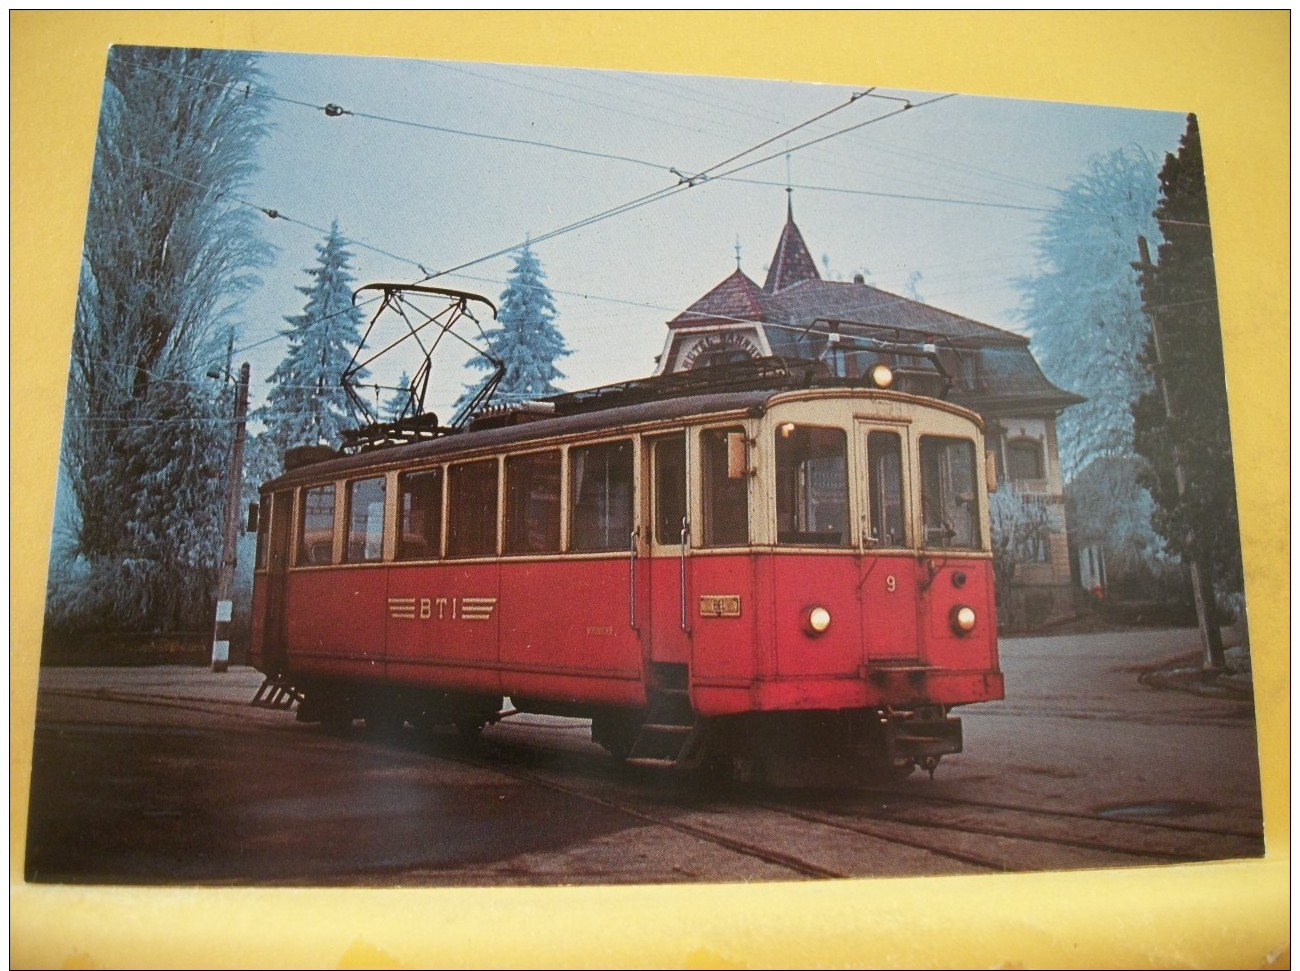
x=797, y=314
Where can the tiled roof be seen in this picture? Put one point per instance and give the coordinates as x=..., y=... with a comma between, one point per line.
x=791, y=263
x=857, y=302
x=992, y=369
x=736, y=298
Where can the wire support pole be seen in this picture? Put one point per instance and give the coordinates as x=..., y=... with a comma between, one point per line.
x=234, y=486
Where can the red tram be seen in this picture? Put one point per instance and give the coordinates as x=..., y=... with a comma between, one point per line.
x=762, y=569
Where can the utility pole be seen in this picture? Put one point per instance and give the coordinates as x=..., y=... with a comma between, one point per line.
x=1202, y=589
x=234, y=486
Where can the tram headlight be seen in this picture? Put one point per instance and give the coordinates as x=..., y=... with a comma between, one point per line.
x=817, y=621
x=962, y=620
x=881, y=376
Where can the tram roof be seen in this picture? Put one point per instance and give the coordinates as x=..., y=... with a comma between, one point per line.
x=539, y=429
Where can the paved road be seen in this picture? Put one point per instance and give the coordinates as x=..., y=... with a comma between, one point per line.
x=165, y=775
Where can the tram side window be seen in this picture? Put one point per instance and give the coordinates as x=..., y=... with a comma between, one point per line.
x=420, y=533
x=533, y=503
x=670, y=489
x=262, y=555
x=949, y=498
x=472, y=509
x=885, y=489
x=365, y=521
x=812, y=485
x=725, y=493
x=600, y=491
x=316, y=528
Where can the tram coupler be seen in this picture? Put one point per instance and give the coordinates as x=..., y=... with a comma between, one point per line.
x=921, y=738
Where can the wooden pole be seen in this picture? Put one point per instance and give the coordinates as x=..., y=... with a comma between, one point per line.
x=234, y=486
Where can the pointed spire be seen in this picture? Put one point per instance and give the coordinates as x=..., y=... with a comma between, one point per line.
x=791, y=263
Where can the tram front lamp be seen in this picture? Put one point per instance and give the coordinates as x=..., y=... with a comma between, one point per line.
x=818, y=621
x=962, y=620
x=882, y=376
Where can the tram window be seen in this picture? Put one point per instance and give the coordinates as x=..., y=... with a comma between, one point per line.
x=726, y=499
x=670, y=488
x=812, y=485
x=365, y=521
x=600, y=490
x=533, y=503
x=316, y=528
x=261, y=556
x=885, y=489
x=949, y=499
x=420, y=532
x=472, y=509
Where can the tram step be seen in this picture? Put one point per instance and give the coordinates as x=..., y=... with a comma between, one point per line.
x=275, y=694
x=667, y=729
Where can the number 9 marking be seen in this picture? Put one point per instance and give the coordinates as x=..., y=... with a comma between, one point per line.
x=890, y=583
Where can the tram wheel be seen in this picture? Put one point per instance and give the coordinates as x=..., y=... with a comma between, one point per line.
x=901, y=769
x=384, y=724
x=336, y=720
x=470, y=727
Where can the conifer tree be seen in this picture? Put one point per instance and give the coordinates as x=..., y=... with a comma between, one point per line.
x=1188, y=436
x=307, y=404
x=396, y=405
x=525, y=338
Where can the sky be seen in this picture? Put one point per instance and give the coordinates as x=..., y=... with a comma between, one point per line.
x=441, y=164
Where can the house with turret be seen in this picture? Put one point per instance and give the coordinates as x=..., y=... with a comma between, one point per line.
x=797, y=314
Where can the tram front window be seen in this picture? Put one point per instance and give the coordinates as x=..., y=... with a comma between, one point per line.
x=949, y=498
x=885, y=489
x=725, y=487
x=812, y=485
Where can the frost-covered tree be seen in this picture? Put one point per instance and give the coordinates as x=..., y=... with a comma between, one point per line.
x=168, y=255
x=397, y=405
x=1020, y=527
x=1084, y=307
x=307, y=404
x=1107, y=506
x=913, y=288
x=1088, y=329
x=525, y=338
x=1197, y=518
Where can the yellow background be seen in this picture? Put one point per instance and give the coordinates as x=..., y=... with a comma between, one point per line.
x=1230, y=68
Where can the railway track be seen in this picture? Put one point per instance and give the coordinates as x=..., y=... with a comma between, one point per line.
x=895, y=831
x=971, y=835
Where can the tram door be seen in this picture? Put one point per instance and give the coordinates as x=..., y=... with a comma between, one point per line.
x=667, y=540
x=277, y=576
x=889, y=571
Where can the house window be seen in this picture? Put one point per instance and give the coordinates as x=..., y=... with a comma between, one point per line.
x=1024, y=459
